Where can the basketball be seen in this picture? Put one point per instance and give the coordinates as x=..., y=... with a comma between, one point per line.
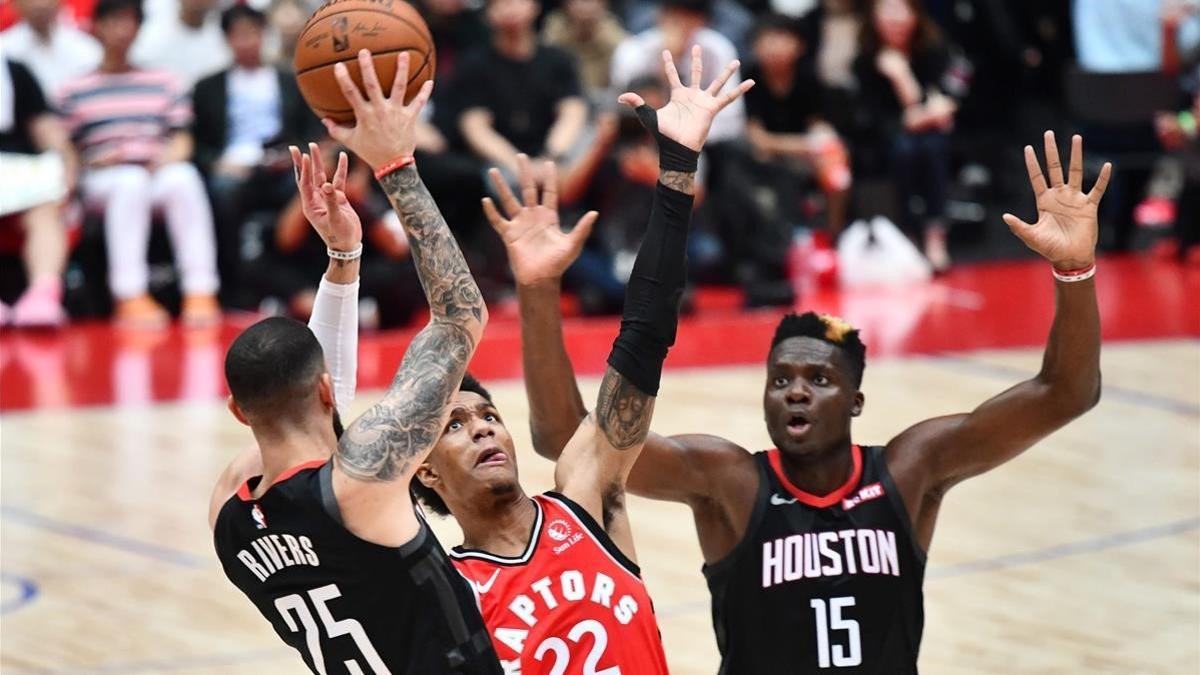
x=339, y=29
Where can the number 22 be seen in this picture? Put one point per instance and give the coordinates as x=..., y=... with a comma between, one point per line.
x=842, y=657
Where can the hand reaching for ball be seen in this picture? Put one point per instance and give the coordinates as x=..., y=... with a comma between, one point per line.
x=385, y=129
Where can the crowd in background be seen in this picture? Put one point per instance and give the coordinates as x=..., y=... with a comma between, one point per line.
x=180, y=112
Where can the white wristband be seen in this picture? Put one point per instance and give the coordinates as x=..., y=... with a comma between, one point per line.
x=1075, y=275
x=345, y=255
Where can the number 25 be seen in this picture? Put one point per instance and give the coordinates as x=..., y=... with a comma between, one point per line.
x=312, y=635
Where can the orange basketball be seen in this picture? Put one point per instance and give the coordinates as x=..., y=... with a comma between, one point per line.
x=339, y=29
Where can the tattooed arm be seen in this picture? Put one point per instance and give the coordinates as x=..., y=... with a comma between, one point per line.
x=379, y=452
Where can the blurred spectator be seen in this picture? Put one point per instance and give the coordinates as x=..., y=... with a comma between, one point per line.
x=130, y=128
x=681, y=24
x=49, y=46
x=1129, y=36
x=730, y=18
x=517, y=95
x=786, y=116
x=903, y=71
x=589, y=31
x=838, y=27
x=1178, y=133
x=245, y=117
x=287, y=19
x=457, y=26
x=293, y=257
x=188, y=43
x=27, y=126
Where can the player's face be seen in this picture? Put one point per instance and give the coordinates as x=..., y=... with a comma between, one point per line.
x=117, y=30
x=474, y=456
x=809, y=397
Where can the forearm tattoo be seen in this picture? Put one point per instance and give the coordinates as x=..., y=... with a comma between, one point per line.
x=679, y=181
x=623, y=411
x=382, y=444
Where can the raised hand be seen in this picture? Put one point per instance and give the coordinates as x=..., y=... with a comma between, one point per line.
x=686, y=118
x=1067, y=227
x=538, y=249
x=324, y=201
x=384, y=128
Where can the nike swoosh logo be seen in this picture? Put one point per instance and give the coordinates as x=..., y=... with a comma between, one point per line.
x=776, y=500
x=484, y=588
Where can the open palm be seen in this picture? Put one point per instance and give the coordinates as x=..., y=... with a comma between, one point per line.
x=1067, y=226
x=324, y=201
x=538, y=250
x=687, y=117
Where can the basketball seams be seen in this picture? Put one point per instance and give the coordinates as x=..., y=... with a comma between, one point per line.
x=414, y=76
x=416, y=29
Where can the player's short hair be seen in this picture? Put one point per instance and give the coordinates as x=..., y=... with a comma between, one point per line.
x=238, y=12
x=827, y=328
x=271, y=366
x=106, y=8
x=428, y=496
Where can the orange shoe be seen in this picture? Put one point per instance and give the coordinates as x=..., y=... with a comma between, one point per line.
x=200, y=309
x=141, y=312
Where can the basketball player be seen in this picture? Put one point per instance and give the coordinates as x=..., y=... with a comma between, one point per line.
x=815, y=551
x=332, y=551
x=556, y=574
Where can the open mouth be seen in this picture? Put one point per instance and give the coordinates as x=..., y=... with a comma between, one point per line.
x=491, y=456
x=798, y=425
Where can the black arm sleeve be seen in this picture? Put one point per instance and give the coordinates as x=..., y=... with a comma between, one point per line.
x=652, y=296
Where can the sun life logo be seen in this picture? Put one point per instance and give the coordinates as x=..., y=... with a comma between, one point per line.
x=558, y=529
x=260, y=521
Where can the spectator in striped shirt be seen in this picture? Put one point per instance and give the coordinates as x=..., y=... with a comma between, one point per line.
x=130, y=129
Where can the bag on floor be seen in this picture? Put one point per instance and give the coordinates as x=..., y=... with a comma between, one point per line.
x=878, y=253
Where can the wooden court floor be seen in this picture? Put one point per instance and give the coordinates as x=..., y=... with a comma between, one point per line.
x=1082, y=556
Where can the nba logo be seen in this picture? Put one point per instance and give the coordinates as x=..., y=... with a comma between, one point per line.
x=260, y=521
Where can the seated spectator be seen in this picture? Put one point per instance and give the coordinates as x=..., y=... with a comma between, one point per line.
x=589, y=31
x=188, y=43
x=130, y=128
x=731, y=18
x=28, y=127
x=245, y=117
x=785, y=114
x=682, y=24
x=293, y=256
x=517, y=95
x=902, y=70
x=1129, y=36
x=835, y=26
x=287, y=19
x=53, y=49
x=458, y=27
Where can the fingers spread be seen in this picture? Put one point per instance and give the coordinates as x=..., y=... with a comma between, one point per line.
x=318, y=166
x=400, y=79
x=343, y=168
x=719, y=82
x=1036, y=179
x=583, y=229
x=493, y=216
x=1075, y=170
x=1015, y=224
x=366, y=66
x=337, y=132
x=735, y=93
x=529, y=192
x=672, y=73
x=697, y=66
x=1053, y=162
x=297, y=161
x=1101, y=183
x=423, y=94
x=507, y=201
x=550, y=185
x=353, y=96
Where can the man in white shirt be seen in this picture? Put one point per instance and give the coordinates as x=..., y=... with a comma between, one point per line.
x=49, y=46
x=189, y=43
x=682, y=24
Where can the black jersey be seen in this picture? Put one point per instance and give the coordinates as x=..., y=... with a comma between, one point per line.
x=821, y=584
x=347, y=605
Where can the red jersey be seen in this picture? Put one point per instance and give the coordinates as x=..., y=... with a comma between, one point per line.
x=571, y=604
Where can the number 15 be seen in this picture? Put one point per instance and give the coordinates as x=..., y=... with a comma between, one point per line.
x=843, y=657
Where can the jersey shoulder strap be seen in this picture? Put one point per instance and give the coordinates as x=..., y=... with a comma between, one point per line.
x=589, y=524
x=876, y=469
x=761, y=495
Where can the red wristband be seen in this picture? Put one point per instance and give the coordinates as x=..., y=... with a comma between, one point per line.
x=394, y=165
x=1081, y=274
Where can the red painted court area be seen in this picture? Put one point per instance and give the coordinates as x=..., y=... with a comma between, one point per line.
x=984, y=306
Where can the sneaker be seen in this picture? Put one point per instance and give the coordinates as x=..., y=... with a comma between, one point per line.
x=40, y=307
x=200, y=309
x=141, y=312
